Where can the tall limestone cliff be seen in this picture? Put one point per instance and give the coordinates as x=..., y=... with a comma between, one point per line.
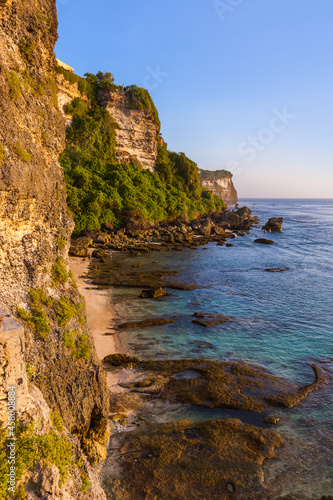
x=35, y=231
x=137, y=135
x=220, y=182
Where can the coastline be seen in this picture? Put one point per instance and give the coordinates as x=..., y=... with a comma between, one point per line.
x=140, y=404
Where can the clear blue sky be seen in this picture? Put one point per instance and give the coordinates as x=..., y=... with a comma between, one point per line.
x=240, y=84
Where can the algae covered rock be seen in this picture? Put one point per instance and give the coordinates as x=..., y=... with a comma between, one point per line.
x=215, y=460
x=98, y=254
x=146, y=323
x=121, y=360
x=207, y=319
x=232, y=385
x=153, y=293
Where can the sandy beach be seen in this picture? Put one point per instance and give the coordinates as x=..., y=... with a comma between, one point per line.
x=101, y=316
x=101, y=319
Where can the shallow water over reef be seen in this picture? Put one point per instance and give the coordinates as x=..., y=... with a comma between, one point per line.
x=282, y=322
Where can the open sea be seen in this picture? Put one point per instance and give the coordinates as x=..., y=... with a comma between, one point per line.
x=283, y=322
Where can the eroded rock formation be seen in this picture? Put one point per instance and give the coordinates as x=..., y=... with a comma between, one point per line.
x=137, y=136
x=220, y=182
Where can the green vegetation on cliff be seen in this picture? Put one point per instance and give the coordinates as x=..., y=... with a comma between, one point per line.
x=100, y=190
x=38, y=319
x=139, y=98
x=214, y=175
x=52, y=448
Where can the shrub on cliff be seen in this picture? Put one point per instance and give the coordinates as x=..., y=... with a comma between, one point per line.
x=52, y=448
x=38, y=318
x=139, y=98
x=209, y=175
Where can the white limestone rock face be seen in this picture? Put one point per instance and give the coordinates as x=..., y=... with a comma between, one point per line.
x=66, y=93
x=137, y=135
x=220, y=182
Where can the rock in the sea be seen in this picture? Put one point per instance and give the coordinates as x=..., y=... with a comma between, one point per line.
x=274, y=225
x=121, y=360
x=207, y=319
x=182, y=286
x=229, y=245
x=277, y=269
x=201, y=344
x=271, y=420
x=264, y=241
x=244, y=212
x=228, y=385
x=146, y=322
x=153, y=293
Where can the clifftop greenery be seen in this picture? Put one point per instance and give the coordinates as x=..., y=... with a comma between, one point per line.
x=209, y=175
x=100, y=190
x=138, y=97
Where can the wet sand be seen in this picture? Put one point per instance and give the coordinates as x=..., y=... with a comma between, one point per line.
x=101, y=319
x=101, y=316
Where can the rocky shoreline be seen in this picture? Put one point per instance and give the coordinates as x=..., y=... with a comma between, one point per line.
x=142, y=237
x=219, y=458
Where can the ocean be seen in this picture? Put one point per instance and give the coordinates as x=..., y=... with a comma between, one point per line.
x=283, y=322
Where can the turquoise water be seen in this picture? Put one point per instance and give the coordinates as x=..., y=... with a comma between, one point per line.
x=283, y=321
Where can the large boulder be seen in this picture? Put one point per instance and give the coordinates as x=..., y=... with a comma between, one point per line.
x=136, y=226
x=274, y=225
x=79, y=246
x=97, y=236
x=244, y=212
x=203, y=227
x=108, y=228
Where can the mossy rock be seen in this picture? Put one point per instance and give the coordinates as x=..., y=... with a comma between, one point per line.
x=121, y=360
x=231, y=385
x=146, y=323
x=153, y=293
x=191, y=460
